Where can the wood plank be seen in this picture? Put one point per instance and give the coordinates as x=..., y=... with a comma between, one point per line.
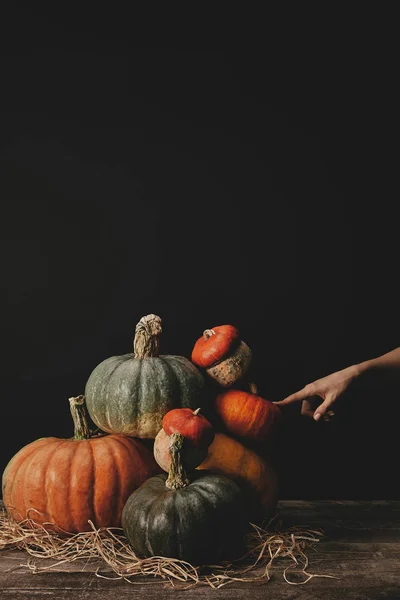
x=361, y=547
x=81, y=585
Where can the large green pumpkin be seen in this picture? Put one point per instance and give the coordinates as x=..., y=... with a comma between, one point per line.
x=131, y=393
x=201, y=519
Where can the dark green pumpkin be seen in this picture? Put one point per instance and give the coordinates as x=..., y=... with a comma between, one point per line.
x=132, y=392
x=201, y=521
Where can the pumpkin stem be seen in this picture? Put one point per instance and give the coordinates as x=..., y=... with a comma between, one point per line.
x=196, y=412
x=253, y=387
x=78, y=412
x=146, y=343
x=207, y=333
x=177, y=477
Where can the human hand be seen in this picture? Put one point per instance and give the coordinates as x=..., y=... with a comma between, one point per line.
x=328, y=388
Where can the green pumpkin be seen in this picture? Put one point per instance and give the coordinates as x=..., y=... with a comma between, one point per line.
x=202, y=520
x=131, y=393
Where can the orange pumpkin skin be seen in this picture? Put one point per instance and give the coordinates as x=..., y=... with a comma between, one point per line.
x=214, y=345
x=247, y=415
x=224, y=356
x=254, y=474
x=194, y=427
x=66, y=482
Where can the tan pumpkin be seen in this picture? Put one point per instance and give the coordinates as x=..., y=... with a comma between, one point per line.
x=223, y=355
x=254, y=474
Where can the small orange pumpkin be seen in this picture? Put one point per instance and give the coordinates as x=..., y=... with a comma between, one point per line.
x=224, y=356
x=254, y=474
x=247, y=415
x=198, y=434
x=64, y=483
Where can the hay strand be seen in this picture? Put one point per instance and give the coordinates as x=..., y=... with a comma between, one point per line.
x=265, y=545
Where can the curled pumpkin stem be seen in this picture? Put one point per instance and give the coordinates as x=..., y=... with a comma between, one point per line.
x=207, y=333
x=177, y=477
x=147, y=333
x=253, y=388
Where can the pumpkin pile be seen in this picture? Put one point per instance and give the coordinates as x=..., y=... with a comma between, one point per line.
x=178, y=464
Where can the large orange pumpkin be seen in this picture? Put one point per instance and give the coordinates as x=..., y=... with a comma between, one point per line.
x=255, y=475
x=66, y=482
x=247, y=415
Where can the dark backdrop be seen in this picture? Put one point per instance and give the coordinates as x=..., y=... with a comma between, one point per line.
x=253, y=182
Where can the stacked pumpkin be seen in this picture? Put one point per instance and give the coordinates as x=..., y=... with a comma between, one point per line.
x=191, y=493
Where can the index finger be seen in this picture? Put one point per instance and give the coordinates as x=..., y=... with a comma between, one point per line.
x=296, y=397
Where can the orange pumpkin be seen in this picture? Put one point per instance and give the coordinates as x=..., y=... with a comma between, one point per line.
x=247, y=415
x=66, y=482
x=198, y=434
x=224, y=356
x=255, y=475
x=194, y=426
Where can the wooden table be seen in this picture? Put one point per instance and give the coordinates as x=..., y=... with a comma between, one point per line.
x=360, y=546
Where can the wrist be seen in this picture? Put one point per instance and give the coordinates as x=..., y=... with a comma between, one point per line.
x=362, y=367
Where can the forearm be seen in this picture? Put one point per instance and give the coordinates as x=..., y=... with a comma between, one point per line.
x=390, y=360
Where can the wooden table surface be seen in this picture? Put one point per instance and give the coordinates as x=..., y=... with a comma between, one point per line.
x=360, y=547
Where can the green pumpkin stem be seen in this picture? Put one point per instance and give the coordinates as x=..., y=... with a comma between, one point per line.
x=147, y=343
x=177, y=477
x=78, y=412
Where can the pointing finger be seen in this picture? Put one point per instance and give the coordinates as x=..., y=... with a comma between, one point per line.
x=296, y=397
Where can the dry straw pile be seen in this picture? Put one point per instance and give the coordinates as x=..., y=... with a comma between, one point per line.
x=265, y=545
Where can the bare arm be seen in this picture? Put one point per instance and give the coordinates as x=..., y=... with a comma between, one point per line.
x=390, y=360
x=332, y=386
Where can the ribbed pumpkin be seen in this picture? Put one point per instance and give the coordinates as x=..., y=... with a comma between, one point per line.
x=198, y=434
x=201, y=519
x=224, y=356
x=131, y=393
x=66, y=482
x=254, y=474
x=247, y=415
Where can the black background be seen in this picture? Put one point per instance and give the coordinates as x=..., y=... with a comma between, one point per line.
x=211, y=170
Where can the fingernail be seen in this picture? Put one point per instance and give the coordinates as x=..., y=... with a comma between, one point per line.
x=317, y=416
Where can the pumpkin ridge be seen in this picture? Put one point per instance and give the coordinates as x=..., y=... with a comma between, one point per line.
x=75, y=457
x=125, y=369
x=139, y=389
x=179, y=365
x=71, y=507
x=30, y=460
x=105, y=381
x=255, y=415
x=123, y=362
x=172, y=377
x=180, y=527
x=22, y=467
x=162, y=498
x=135, y=366
x=120, y=501
x=48, y=466
x=140, y=493
x=93, y=482
x=13, y=467
x=148, y=394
